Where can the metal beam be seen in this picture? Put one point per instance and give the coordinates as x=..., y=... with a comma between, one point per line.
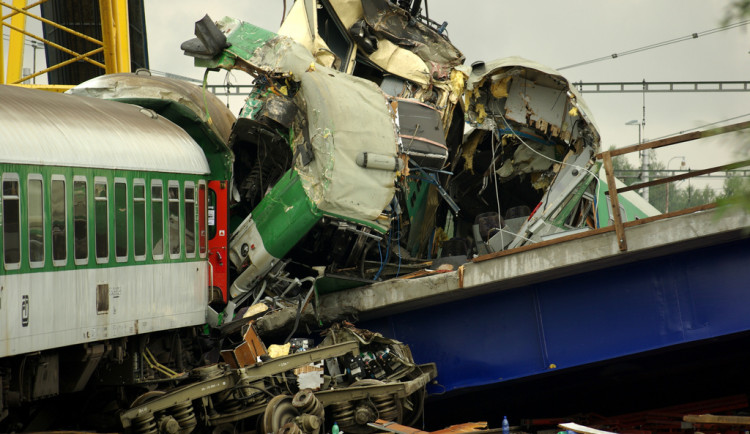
x=663, y=86
x=15, y=46
x=635, y=173
x=592, y=87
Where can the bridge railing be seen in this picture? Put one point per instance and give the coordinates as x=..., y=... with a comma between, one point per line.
x=606, y=158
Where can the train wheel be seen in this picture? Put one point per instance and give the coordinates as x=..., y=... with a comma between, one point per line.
x=279, y=412
x=353, y=417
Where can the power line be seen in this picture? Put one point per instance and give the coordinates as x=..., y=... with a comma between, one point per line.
x=702, y=126
x=659, y=44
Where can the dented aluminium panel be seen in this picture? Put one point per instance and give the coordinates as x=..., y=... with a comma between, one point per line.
x=367, y=150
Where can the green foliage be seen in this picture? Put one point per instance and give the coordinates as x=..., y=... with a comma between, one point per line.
x=736, y=11
x=736, y=194
x=679, y=195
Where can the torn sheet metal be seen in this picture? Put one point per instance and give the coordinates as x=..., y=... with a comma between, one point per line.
x=207, y=118
x=421, y=133
x=347, y=116
x=540, y=143
x=395, y=24
x=363, y=171
x=401, y=61
x=532, y=77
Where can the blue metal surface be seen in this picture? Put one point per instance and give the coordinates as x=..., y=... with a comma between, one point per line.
x=586, y=318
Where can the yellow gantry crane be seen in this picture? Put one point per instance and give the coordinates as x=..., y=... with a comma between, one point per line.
x=114, y=44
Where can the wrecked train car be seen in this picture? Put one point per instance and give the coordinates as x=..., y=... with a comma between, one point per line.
x=351, y=160
x=319, y=160
x=535, y=138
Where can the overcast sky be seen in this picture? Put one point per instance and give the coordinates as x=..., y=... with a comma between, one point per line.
x=556, y=33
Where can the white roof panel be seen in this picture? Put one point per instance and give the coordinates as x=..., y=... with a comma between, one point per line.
x=46, y=128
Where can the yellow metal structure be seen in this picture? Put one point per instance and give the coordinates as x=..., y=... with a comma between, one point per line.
x=115, y=43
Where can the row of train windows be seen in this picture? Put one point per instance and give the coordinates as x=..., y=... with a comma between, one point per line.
x=177, y=238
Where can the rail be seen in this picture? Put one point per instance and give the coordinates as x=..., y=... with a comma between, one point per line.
x=613, y=191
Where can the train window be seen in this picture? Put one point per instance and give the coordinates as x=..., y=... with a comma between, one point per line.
x=190, y=219
x=11, y=222
x=139, y=219
x=80, y=220
x=211, y=214
x=101, y=219
x=157, y=219
x=36, y=221
x=202, y=218
x=121, y=220
x=57, y=200
x=173, y=192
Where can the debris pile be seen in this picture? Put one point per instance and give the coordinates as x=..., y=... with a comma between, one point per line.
x=353, y=377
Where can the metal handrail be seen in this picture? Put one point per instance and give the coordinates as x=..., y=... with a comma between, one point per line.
x=606, y=157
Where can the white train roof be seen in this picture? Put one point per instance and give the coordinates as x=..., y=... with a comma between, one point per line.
x=45, y=128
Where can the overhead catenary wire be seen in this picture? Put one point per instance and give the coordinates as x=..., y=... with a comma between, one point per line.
x=658, y=44
x=701, y=126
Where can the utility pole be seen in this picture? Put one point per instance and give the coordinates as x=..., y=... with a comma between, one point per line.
x=644, y=159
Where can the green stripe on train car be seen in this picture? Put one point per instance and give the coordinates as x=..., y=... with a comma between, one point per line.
x=90, y=174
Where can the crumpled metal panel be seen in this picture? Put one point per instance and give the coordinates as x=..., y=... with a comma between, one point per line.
x=135, y=86
x=46, y=128
x=547, y=77
x=393, y=23
x=346, y=116
x=421, y=132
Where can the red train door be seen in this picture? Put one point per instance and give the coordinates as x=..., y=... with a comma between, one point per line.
x=218, y=238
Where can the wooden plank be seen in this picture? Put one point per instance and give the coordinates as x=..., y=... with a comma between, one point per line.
x=714, y=419
x=691, y=174
x=619, y=230
x=541, y=244
x=671, y=214
x=582, y=429
x=590, y=233
x=676, y=139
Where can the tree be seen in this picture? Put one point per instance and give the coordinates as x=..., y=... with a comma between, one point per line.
x=678, y=198
x=738, y=10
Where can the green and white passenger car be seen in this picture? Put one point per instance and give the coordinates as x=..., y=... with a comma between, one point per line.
x=104, y=235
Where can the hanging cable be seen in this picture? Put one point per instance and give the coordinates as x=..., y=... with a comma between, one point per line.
x=398, y=242
x=497, y=193
x=598, y=181
x=701, y=126
x=659, y=44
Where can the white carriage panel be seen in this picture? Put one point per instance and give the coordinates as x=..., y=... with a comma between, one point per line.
x=60, y=308
x=46, y=128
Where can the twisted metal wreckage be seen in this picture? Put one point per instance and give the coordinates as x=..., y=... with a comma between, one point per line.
x=286, y=388
x=368, y=151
